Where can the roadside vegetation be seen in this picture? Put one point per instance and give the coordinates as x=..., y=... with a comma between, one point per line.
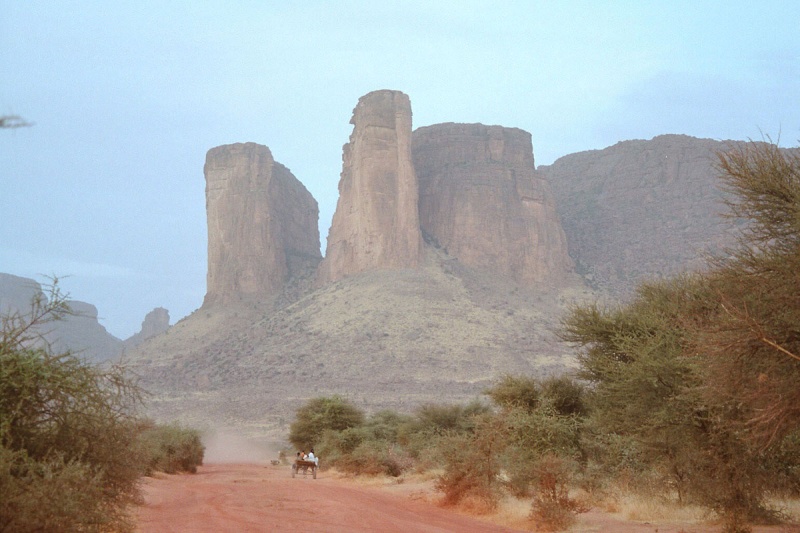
x=688, y=393
x=72, y=448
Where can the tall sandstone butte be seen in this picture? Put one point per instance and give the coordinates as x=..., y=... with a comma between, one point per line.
x=481, y=200
x=376, y=223
x=262, y=224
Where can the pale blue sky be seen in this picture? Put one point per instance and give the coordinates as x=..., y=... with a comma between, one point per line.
x=107, y=188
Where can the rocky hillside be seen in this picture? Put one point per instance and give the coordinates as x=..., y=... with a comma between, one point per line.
x=387, y=338
x=386, y=316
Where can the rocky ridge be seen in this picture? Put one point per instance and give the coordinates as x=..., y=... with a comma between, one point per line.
x=155, y=323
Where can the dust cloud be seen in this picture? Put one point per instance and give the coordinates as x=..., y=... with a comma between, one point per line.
x=223, y=446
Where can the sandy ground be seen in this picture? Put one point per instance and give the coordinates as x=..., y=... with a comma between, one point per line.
x=259, y=498
x=249, y=498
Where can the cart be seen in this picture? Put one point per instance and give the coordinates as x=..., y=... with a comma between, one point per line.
x=301, y=465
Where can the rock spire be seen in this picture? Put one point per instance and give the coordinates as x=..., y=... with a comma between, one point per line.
x=376, y=223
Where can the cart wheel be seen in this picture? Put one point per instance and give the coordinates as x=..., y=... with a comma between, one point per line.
x=294, y=470
x=314, y=472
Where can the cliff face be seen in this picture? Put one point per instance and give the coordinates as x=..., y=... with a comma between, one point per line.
x=641, y=209
x=376, y=223
x=481, y=201
x=262, y=224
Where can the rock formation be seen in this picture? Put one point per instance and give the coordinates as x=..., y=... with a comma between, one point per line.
x=376, y=223
x=481, y=201
x=262, y=224
x=155, y=323
x=641, y=209
x=79, y=332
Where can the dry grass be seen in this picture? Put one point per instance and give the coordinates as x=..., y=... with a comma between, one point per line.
x=515, y=513
x=639, y=508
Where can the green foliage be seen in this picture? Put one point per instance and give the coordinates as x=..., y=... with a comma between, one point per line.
x=53, y=495
x=321, y=414
x=472, y=462
x=565, y=395
x=66, y=432
x=170, y=448
x=515, y=391
x=440, y=419
x=553, y=509
x=387, y=425
x=370, y=449
x=532, y=435
x=701, y=371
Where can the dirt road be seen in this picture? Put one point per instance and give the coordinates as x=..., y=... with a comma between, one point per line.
x=250, y=498
x=259, y=498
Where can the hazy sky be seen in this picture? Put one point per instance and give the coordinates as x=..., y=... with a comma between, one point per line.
x=107, y=188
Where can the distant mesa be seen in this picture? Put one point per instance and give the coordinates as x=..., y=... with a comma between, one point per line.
x=376, y=223
x=481, y=200
x=155, y=323
x=262, y=224
x=79, y=332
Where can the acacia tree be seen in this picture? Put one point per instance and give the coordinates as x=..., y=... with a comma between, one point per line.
x=753, y=343
x=68, y=459
x=702, y=370
x=321, y=414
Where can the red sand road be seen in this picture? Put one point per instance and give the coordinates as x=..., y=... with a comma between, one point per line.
x=249, y=498
x=258, y=498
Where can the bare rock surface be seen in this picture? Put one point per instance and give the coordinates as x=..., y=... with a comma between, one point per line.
x=262, y=224
x=641, y=209
x=481, y=201
x=376, y=222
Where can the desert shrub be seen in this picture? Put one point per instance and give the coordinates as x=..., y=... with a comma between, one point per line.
x=67, y=432
x=375, y=457
x=440, y=419
x=553, y=509
x=532, y=435
x=359, y=451
x=333, y=446
x=52, y=495
x=170, y=448
x=472, y=464
x=565, y=394
x=515, y=392
x=321, y=414
x=386, y=425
